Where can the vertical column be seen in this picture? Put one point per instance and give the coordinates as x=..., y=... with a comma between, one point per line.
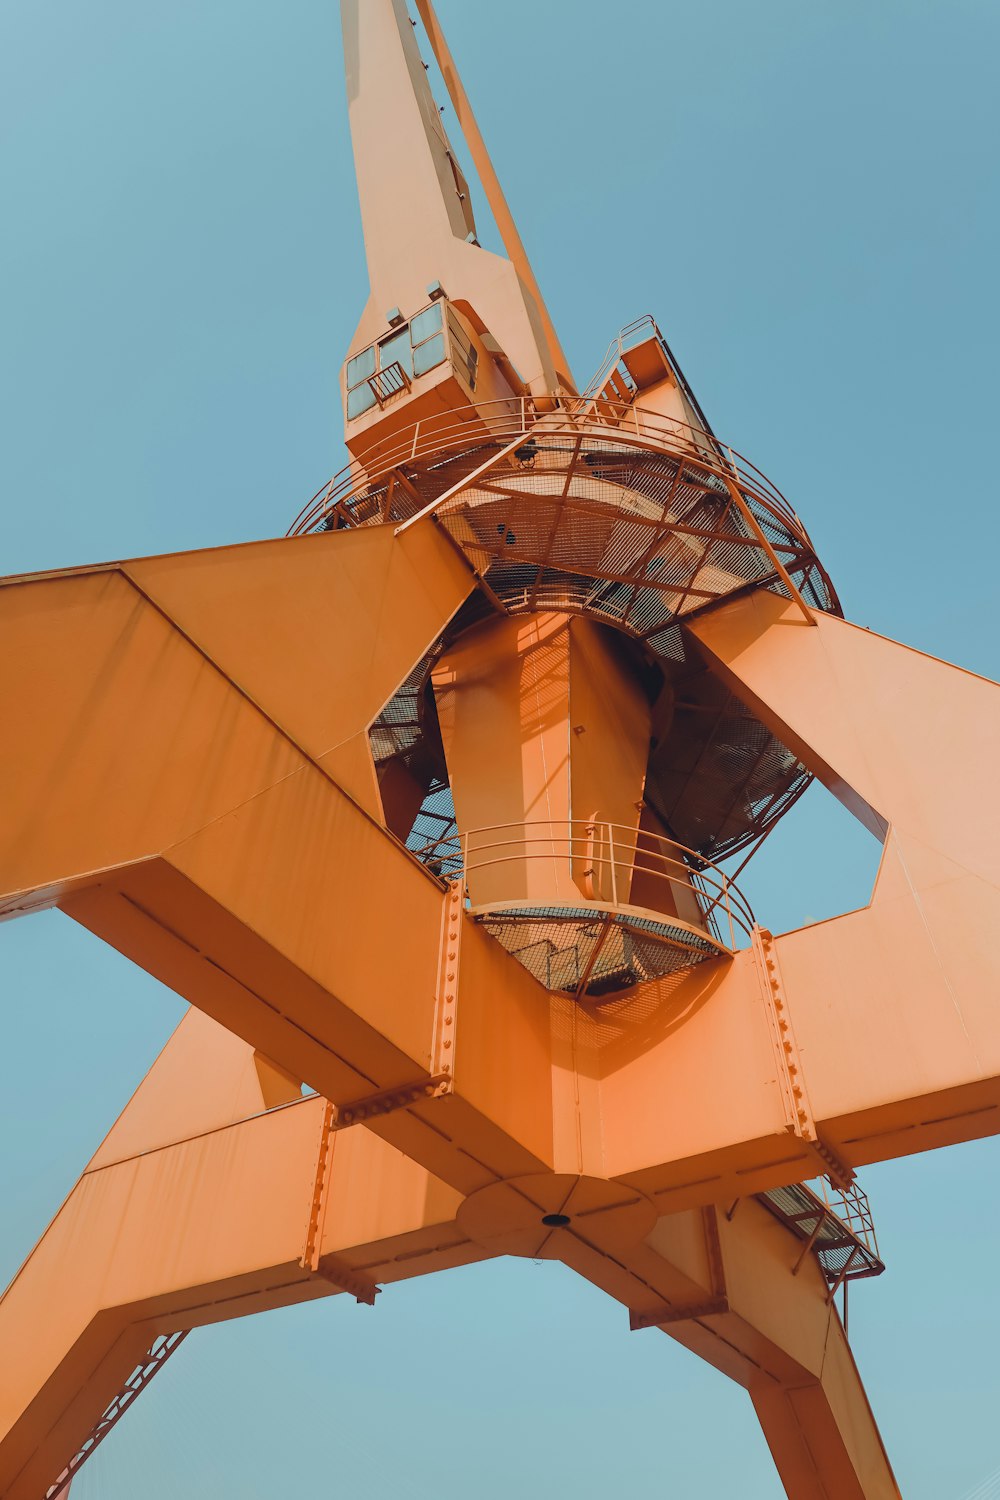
x=546, y=734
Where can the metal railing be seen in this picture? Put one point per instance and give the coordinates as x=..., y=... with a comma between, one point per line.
x=501, y=422
x=388, y=383
x=834, y=1223
x=602, y=860
x=627, y=338
x=614, y=363
x=851, y=1207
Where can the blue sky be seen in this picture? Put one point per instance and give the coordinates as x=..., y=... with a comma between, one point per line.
x=805, y=197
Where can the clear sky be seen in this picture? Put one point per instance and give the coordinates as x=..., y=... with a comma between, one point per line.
x=804, y=194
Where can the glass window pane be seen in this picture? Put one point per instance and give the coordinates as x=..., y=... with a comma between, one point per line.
x=456, y=330
x=429, y=354
x=396, y=351
x=359, y=400
x=462, y=351
x=425, y=323
x=361, y=366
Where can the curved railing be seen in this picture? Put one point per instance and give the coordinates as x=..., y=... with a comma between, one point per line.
x=503, y=422
x=602, y=860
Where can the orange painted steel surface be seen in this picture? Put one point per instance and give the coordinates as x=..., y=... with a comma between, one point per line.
x=406, y=805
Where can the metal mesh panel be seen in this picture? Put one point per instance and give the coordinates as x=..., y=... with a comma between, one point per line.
x=594, y=952
x=585, y=503
x=720, y=772
x=397, y=728
x=838, y=1225
x=597, y=508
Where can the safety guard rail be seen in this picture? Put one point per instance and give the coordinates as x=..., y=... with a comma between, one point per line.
x=502, y=422
x=605, y=857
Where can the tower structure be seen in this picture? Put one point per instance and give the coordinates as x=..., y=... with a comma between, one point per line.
x=463, y=875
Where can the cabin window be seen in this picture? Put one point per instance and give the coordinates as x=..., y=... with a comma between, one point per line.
x=396, y=351
x=417, y=348
x=463, y=353
x=425, y=323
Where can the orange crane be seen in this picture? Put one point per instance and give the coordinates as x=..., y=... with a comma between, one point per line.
x=427, y=806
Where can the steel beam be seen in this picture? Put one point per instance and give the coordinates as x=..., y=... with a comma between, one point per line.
x=173, y=794
x=197, y=1208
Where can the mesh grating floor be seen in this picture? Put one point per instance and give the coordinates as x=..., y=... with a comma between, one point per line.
x=640, y=536
x=842, y=1234
x=595, y=952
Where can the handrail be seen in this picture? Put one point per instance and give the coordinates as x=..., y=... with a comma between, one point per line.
x=614, y=352
x=851, y=1207
x=628, y=852
x=502, y=420
x=614, y=358
x=389, y=382
x=498, y=419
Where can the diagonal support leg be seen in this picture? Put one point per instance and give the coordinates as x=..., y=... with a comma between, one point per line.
x=731, y=1290
x=780, y=1337
x=197, y=1208
x=735, y=1300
